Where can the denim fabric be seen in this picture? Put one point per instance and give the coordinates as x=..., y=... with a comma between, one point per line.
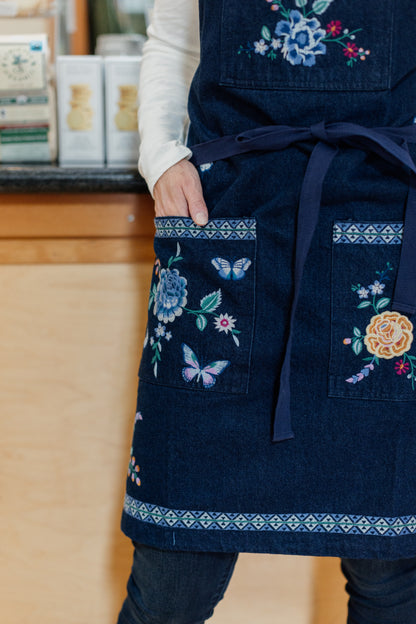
x=184, y=587
x=381, y=592
x=175, y=587
x=204, y=474
x=330, y=72
x=203, y=288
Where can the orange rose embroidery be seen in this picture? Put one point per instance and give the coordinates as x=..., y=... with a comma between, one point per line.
x=389, y=335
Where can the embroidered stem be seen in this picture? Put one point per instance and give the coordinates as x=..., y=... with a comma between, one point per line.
x=410, y=359
x=340, y=39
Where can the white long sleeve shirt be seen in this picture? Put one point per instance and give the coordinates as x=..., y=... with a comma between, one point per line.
x=170, y=58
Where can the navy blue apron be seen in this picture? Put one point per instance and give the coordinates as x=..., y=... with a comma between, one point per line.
x=276, y=404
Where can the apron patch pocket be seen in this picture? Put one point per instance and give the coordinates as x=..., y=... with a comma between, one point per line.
x=373, y=353
x=309, y=44
x=201, y=305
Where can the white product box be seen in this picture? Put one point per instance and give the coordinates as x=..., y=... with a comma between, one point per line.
x=25, y=8
x=121, y=99
x=80, y=111
x=27, y=101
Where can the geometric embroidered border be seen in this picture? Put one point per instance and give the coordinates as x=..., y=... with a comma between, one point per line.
x=350, y=524
x=222, y=229
x=368, y=233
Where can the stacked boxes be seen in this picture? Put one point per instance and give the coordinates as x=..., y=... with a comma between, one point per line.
x=27, y=103
x=25, y=8
x=83, y=136
x=80, y=111
x=121, y=93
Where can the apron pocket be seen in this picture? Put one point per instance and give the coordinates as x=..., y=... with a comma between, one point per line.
x=316, y=44
x=201, y=305
x=373, y=355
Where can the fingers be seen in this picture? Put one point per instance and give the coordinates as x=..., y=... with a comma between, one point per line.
x=178, y=192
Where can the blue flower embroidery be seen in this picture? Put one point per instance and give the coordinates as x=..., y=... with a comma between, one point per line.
x=170, y=296
x=302, y=39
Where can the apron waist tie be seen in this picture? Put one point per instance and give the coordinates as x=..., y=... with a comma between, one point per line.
x=390, y=144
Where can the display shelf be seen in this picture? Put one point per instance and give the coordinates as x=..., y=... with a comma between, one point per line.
x=55, y=179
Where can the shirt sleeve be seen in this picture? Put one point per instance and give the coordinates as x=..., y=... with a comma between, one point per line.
x=170, y=58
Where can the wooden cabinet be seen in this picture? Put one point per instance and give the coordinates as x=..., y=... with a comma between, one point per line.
x=74, y=279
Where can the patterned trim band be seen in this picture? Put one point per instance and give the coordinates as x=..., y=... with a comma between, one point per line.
x=289, y=523
x=222, y=229
x=368, y=233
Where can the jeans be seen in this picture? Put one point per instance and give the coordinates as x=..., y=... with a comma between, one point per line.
x=173, y=587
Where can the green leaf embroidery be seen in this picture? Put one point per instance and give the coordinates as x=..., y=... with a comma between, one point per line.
x=301, y=3
x=265, y=33
x=152, y=295
x=201, y=322
x=364, y=304
x=210, y=302
x=320, y=6
x=357, y=332
x=383, y=303
x=357, y=347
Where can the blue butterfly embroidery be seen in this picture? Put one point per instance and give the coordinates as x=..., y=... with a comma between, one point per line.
x=231, y=270
x=207, y=374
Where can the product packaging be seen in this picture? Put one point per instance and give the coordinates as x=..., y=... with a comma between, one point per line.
x=121, y=98
x=26, y=8
x=27, y=101
x=80, y=111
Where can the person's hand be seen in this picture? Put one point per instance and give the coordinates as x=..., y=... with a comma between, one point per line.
x=178, y=192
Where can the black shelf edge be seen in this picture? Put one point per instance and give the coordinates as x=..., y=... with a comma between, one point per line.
x=55, y=179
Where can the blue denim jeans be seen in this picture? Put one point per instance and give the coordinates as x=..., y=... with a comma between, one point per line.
x=173, y=587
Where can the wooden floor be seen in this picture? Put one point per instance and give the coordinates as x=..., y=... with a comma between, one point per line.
x=277, y=589
x=70, y=339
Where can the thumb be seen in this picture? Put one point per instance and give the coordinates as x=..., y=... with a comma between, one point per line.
x=197, y=207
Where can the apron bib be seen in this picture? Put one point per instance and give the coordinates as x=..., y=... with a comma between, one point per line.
x=205, y=472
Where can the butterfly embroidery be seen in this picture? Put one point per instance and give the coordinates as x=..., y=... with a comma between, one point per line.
x=208, y=374
x=231, y=270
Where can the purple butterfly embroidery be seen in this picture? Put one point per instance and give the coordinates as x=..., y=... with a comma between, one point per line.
x=208, y=374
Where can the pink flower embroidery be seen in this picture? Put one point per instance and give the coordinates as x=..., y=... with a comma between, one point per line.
x=333, y=28
x=401, y=367
x=351, y=50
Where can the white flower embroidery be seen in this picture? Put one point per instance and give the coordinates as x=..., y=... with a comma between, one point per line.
x=160, y=330
x=376, y=288
x=363, y=293
x=260, y=47
x=224, y=323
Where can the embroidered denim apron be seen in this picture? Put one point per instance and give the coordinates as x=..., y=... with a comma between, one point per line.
x=264, y=314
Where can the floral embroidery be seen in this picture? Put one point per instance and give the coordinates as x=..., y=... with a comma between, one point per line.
x=401, y=367
x=301, y=36
x=134, y=469
x=224, y=323
x=170, y=295
x=388, y=335
x=156, y=345
x=169, y=298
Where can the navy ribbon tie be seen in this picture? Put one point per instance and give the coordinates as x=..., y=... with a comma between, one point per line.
x=388, y=143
